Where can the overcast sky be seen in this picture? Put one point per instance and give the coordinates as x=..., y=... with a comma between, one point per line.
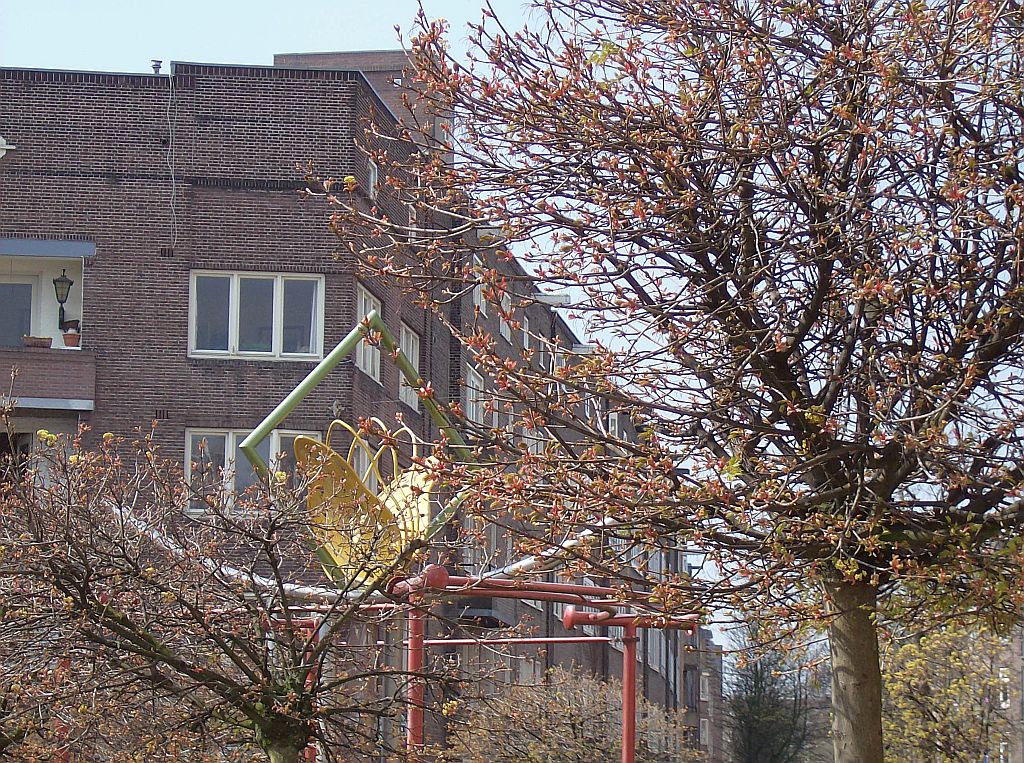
x=123, y=35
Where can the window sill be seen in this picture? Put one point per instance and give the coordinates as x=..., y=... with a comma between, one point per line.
x=255, y=358
x=371, y=377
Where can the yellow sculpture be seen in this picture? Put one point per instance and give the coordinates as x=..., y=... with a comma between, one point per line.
x=361, y=533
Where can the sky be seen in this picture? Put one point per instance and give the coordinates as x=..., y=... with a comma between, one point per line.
x=123, y=36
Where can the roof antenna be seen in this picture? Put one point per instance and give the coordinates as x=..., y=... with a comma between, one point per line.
x=156, y=65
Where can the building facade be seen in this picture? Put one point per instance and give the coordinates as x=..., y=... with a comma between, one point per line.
x=205, y=284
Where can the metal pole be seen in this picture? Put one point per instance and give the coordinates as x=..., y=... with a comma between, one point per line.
x=629, y=694
x=296, y=396
x=417, y=694
x=372, y=322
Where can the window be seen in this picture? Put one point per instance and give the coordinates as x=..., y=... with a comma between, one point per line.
x=372, y=178
x=705, y=733
x=479, y=302
x=614, y=425
x=690, y=682
x=214, y=460
x=255, y=314
x=705, y=687
x=14, y=449
x=526, y=333
x=536, y=441
x=557, y=370
x=474, y=409
x=409, y=343
x=367, y=356
x=17, y=297
x=361, y=466
x=1004, y=688
x=504, y=325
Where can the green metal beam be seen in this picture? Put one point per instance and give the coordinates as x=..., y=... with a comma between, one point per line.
x=373, y=322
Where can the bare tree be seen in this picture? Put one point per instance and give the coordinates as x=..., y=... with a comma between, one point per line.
x=772, y=696
x=569, y=717
x=793, y=232
x=162, y=629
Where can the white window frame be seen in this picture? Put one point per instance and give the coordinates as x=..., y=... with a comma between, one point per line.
x=527, y=339
x=33, y=282
x=705, y=733
x=475, y=400
x=232, y=439
x=558, y=359
x=361, y=466
x=409, y=344
x=372, y=178
x=536, y=440
x=277, y=340
x=614, y=424
x=505, y=319
x=705, y=686
x=479, y=302
x=367, y=356
x=474, y=555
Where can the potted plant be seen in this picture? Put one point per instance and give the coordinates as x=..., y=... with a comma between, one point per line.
x=36, y=341
x=70, y=329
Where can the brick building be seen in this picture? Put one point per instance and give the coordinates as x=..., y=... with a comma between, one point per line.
x=205, y=287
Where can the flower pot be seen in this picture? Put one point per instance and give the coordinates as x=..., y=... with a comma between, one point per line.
x=72, y=338
x=36, y=341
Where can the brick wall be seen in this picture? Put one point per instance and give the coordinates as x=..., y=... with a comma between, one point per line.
x=65, y=374
x=198, y=170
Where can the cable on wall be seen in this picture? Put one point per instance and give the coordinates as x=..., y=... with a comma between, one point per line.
x=172, y=114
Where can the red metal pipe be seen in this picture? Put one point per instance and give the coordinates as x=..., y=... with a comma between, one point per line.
x=433, y=576
x=571, y=617
x=472, y=641
x=538, y=585
x=629, y=694
x=436, y=578
x=313, y=626
x=417, y=695
x=510, y=593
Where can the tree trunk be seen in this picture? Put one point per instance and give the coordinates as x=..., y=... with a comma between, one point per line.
x=283, y=751
x=856, y=674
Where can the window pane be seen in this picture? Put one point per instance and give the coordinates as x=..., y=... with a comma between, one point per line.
x=284, y=458
x=367, y=356
x=213, y=294
x=16, y=317
x=255, y=314
x=207, y=467
x=474, y=397
x=410, y=345
x=361, y=465
x=245, y=475
x=299, y=316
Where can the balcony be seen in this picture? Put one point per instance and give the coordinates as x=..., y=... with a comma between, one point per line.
x=49, y=379
x=31, y=270
x=53, y=373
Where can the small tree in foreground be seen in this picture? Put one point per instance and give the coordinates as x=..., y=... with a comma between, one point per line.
x=793, y=231
x=569, y=718
x=169, y=629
